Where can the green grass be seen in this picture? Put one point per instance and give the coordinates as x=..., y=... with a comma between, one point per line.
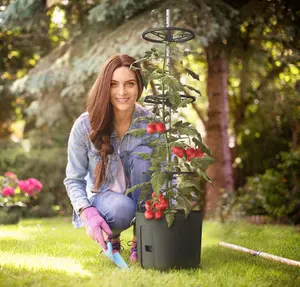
x=49, y=252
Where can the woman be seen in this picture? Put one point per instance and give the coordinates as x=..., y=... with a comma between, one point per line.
x=101, y=160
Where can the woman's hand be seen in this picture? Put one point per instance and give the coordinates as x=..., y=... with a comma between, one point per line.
x=95, y=225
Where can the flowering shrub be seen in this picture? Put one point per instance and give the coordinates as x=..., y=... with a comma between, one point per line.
x=17, y=192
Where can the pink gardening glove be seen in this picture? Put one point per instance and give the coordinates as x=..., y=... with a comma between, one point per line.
x=95, y=225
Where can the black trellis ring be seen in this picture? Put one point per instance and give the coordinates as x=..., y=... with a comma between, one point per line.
x=168, y=34
x=160, y=98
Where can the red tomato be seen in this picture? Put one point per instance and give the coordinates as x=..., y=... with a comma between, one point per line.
x=153, y=194
x=199, y=152
x=190, y=153
x=148, y=204
x=151, y=128
x=149, y=214
x=162, y=204
x=178, y=151
x=160, y=128
x=158, y=214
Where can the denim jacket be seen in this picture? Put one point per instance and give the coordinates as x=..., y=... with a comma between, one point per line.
x=83, y=157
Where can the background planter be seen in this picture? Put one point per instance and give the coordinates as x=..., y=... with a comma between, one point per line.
x=162, y=248
x=10, y=215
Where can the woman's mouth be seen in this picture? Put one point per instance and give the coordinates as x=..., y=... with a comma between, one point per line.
x=122, y=100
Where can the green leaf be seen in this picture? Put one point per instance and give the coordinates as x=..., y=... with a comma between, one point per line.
x=202, y=146
x=185, y=191
x=143, y=155
x=205, y=176
x=131, y=189
x=199, y=137
x=172, y=139
x=142, y=186
x=155, y=164
x=190, y=131
x=187, y=166
x=175, y=160
x=177, y=144
x=145, y=194
x=158, y=179
x=188, y=183
x=170, y=217
x=142, y=119
x=192, y=73
x=185, y=102
x=203, y=162
x=197, y=142
x=172, y=83
x=184, y=203
x=174, y=98
x=137, y=132
x=160, y=152
x=153, y=142
x=178, y=124
x=181, y=124
x=192, y=89
x=155, y=75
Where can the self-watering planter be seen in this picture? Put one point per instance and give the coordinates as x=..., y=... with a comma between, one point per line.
x=162, y=248
x=168, y=230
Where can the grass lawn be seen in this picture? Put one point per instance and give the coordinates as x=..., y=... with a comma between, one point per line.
x=50, y=252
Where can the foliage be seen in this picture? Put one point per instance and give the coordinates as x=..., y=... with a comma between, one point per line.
x=178, y=150
x=276, y=192
x=264, y=109
x=20, y=11
x=108, y=12
x=17, y=192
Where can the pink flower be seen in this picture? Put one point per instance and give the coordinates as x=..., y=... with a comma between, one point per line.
x=11, y=175
x=8, y=191
x=26, y=187
x=36, y=184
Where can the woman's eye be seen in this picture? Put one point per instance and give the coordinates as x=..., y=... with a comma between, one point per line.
x=113, y=85
x=130, y=84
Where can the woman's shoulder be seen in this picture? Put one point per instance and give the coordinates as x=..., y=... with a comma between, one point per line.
x=82, y=121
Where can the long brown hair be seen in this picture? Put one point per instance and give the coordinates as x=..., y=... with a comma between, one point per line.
x=101, y=113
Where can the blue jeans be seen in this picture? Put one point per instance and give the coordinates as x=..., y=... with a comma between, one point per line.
x=117, y=209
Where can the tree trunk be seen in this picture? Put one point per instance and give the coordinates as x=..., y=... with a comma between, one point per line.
x=217, y=128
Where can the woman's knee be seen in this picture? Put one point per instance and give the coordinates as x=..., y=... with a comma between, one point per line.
x=117, y=209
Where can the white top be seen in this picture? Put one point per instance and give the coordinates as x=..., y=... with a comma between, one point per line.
x=120, y=183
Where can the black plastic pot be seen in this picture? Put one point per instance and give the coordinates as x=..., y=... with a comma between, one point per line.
x=162, y=248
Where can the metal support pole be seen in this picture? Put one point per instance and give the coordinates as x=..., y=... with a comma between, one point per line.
x=168, y=53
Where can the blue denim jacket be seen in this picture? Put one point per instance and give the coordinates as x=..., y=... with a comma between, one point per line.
x=83, y=158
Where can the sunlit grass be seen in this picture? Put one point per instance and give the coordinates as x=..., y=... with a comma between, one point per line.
x=50, y=252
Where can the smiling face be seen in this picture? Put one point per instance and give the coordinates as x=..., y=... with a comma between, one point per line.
x=123, y=90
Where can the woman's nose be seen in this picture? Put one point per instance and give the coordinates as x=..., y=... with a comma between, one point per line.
x=122, y=90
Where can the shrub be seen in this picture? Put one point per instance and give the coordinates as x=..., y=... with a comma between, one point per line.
x=276, y=192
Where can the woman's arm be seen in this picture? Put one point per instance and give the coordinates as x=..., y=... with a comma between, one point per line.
x=77, y=167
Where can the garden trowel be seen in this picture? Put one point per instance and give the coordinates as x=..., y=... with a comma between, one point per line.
x=115, y=257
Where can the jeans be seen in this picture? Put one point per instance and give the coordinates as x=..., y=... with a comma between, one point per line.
x=118, y=209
